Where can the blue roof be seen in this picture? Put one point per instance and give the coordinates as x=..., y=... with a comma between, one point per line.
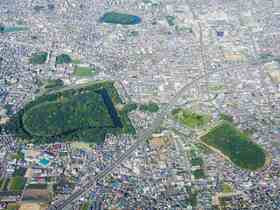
x=220, y=33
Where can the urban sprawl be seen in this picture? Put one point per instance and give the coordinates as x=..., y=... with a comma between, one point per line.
x=147, y=104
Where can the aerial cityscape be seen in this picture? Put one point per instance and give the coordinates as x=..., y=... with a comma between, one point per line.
x=140, y=105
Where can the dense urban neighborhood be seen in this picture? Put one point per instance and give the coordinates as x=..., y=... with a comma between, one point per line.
x=139, y=105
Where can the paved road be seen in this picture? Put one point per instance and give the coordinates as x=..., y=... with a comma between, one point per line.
x=5, y=140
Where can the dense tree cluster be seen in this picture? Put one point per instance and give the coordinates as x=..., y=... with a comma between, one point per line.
x=236, y=145
x=80, y=114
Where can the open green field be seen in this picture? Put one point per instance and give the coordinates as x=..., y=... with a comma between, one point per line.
x=236, y=145
x=226, y=188
x=2, y=180
x=84, y=113
x=13, y=206
x=80, y=71
x=38, y=58
x=86, y=206
x=52, y=84
x=37, y=186
x=17, y=184
x=4, y=183
x=189, y=118
x=76, y=61
x=216, y=88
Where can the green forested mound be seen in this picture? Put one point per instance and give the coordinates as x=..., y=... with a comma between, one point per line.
x=67, y=113
x=77, y=114
x=236, y=145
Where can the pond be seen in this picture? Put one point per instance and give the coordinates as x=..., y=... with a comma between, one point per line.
x=13, y=29
x=120, y=18
x=44, y=162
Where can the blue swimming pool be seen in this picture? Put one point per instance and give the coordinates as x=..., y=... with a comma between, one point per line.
x=44, y=162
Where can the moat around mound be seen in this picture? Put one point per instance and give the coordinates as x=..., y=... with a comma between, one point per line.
x=84, y=113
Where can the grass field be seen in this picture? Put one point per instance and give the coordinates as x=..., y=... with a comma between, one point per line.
x=37, y=186
x=76, y=61
x=52, y=84
x=227, y=188
x=2, y=180
x=189, y=118
x=17, y=184
x=5, y=184
x=13, y=206
x=83, y=71
x=86, y=206
x=236, y=145
x=216, y=88
x=84, y=113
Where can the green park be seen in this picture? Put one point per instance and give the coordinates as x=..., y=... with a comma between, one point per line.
x=17, y=184
x=81, y=71
x=189, y=118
